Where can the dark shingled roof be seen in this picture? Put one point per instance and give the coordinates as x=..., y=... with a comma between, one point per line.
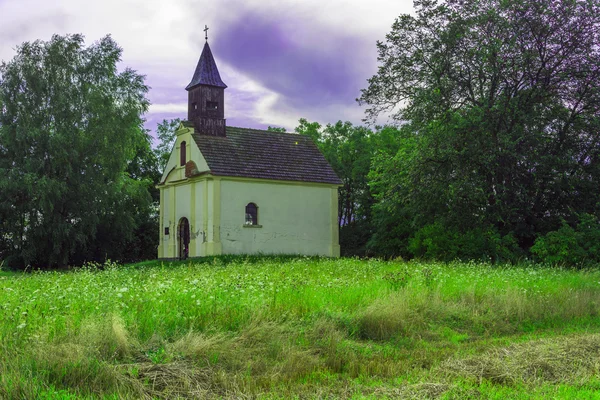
x=206, y=71
x=253, y=153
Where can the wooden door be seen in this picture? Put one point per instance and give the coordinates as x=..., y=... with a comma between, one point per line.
x=183, y=236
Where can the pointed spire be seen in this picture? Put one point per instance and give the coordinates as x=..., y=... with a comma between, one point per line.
x=206, y=71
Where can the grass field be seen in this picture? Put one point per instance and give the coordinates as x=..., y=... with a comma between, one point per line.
x=300, y=328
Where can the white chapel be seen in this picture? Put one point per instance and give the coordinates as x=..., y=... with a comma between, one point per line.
x=228, y=190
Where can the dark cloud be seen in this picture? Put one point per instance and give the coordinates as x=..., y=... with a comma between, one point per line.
x=312, y=65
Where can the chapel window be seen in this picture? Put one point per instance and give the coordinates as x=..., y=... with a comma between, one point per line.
x=212, y=105
x=251, y=214
x=182, y=154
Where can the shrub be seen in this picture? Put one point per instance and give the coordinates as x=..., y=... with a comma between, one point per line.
x=354, y=237
x=570, y=246
x=439, y=242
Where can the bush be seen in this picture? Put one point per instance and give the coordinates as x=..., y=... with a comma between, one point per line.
x=14, y=262
x=391, y=230
x=354, y=237
x=570, y=246
x=439, y=242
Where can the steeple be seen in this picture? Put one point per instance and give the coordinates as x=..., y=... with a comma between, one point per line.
x=206, y=96
x=206, y=71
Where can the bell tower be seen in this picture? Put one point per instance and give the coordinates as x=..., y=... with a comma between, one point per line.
x=206, y=96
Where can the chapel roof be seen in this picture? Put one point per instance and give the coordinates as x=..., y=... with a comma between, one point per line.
x=253, y=153
x=206, y=71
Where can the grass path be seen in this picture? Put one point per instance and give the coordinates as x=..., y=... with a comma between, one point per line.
x=300, y=327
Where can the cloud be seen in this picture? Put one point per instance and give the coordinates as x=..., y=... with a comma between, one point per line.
x=168, y=108
x=281, y=59
x=310, y=58
x=303, y=72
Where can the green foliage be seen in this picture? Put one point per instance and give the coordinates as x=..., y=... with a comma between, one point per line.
x=276, y=129
x=579, y=246
x=354, y=237
x=390, y=183
x=437, y=242
x=498, y=118
x=72, y=142
x=165, y=132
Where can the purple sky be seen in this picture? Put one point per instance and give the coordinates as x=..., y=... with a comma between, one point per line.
x=282, y=60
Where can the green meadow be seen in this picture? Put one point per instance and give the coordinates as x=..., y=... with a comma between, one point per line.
x=284, y=327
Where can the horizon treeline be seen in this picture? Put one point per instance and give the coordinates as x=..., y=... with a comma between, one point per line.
x=492, y=151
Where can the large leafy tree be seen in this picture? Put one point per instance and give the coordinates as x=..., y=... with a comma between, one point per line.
x=70, y=127
x=500, y=102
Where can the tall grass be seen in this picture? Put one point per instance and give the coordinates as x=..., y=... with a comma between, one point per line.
x=277, y=326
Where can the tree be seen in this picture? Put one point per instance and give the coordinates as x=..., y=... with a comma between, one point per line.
x=347, y=149
x=276, y=129
x=70, y=125
x=501, y=106
x=165, y=132
x=139, y=243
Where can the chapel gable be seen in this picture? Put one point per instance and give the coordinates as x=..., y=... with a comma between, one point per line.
x=186, y=159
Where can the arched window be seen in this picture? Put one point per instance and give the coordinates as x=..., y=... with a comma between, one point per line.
x=182, y=154
x=251, y=214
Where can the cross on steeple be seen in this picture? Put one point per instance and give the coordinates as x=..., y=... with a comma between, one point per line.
x=206, y=32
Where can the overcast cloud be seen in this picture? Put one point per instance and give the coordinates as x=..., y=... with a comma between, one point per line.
x=282, y=60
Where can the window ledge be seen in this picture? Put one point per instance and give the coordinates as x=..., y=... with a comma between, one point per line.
x=251, y=226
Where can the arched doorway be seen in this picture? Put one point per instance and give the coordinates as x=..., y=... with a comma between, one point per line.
x=183, y=238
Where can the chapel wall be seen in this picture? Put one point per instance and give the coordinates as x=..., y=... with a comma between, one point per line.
x=293, y=218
